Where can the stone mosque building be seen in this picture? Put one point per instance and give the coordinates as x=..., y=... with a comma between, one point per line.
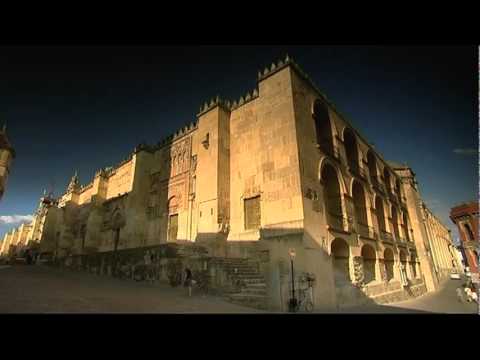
x=7, y=154
x=280, y=169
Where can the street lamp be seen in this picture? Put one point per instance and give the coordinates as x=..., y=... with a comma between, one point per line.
x=292, y=304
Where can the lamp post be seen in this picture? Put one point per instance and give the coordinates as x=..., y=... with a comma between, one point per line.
x=292, y=304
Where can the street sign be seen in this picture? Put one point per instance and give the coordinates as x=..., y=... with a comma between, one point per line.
x=291, y=252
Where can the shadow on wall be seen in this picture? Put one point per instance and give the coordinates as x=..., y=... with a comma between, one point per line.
x=264, y=275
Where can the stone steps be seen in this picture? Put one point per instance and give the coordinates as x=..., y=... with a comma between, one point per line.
x=246, y=276
x=250, y=300
x=242, y=273
x=252, y=290
x=392, y=297
x=254, y=280
x=258, y=285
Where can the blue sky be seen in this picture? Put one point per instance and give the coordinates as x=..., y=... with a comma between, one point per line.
x=83, y=108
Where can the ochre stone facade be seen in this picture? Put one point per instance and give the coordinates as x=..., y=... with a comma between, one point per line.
x=7, y=153
x=279, y=169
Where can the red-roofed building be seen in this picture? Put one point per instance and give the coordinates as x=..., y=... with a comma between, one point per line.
x=465, y=216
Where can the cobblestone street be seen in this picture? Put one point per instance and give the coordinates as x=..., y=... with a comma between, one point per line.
x=42, y=289
x=443, y=301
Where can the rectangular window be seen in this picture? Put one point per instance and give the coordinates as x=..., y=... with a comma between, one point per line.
x=252, y=213
x=173, y=227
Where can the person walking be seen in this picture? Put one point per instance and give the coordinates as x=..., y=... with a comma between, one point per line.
x=28, y=257
x=188, y=281
x=148, y=262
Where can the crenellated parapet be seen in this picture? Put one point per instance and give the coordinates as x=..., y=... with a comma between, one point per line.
x=213, y=103
x=249, y=96
x=180, y=133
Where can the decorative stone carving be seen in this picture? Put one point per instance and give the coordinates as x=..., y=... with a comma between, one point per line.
x=74, y=184
x=383, y=270
x=194, y=163
x=359, y=275
x=206, y=141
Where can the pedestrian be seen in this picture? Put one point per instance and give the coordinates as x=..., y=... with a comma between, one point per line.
x=28, y=257
x=148, y=261
x=403, y=275
x=188, y=281
x=468, y=292
x=460, y=295
x=474, y=296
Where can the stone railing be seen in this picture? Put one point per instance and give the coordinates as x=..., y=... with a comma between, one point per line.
x=377, y=184
x=386, y=236
x=392, y=196
x=339, y=222
x=328, y=147
x=363, y=230
x=355, y=169
x=401, y=239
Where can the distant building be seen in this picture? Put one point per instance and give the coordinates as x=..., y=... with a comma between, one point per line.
x=465, y=216
x=7, y=153
x=279, y=169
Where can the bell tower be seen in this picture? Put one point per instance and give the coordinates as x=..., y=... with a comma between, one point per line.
x=7, y=154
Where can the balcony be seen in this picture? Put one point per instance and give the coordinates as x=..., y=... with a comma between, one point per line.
x=354, y=169
x=393, y=197
x=339, y=222
x=329, y=148
x=386, y=236
x=366, y=231
x=377, y=184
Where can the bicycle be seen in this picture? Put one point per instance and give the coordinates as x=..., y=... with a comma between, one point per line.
x=201, y=281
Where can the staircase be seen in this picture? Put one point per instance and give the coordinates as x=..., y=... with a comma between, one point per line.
x=248, y=284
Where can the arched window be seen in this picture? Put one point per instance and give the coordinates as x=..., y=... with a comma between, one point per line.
x=323, y=127
x=333, y=201
x=359, y=204
x=406, y=226
x=413, y=265
x=351, y=150
x=471, y=237
x=172, y=205
x=372, y=166
x=397, y=188
x=341, y=261
x=380, y=212
x=389, y=263
x=395, y=222
x=369, y=260
x=403, y=262
x=386, y=177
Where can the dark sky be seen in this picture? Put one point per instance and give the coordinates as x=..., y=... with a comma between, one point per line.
x=84, y=108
